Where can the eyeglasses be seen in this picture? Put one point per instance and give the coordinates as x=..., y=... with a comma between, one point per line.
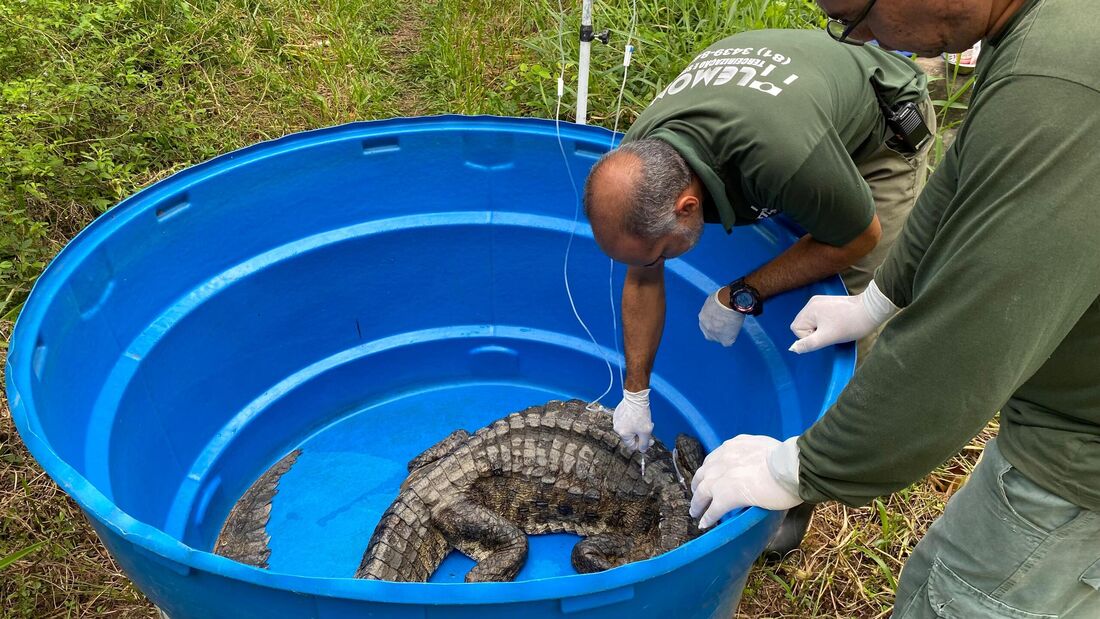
x=840, y=29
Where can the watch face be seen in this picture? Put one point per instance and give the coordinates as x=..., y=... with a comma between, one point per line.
x=743, y=300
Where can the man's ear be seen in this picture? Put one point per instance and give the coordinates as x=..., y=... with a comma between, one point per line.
x=688, y=203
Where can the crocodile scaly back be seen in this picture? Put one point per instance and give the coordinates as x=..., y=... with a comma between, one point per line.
x=553, y=468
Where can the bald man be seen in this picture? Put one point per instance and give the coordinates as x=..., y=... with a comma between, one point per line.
x=759, y=123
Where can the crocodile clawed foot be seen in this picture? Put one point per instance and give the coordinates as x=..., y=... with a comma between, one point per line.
x=604, y=551
x=500, y=565
x=498, y=545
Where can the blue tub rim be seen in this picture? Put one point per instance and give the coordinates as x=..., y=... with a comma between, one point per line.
x=163, y=547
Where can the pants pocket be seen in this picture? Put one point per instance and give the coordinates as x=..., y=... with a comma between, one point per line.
x=951, y=597
x=1032, y=504
x=1091, y=576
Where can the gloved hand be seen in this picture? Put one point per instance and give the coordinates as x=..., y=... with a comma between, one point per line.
x=833, y=319
x=718, y=322
x=632, y=421
x=746, y=470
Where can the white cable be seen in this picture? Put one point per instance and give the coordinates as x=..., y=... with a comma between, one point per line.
x=628, y=52
x=615, y=320
x=576, y=207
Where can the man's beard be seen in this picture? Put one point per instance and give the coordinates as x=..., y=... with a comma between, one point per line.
x=692, y=232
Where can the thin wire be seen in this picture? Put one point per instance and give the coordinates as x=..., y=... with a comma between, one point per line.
x=615, y=320
x=576, y=207
x=628, y=50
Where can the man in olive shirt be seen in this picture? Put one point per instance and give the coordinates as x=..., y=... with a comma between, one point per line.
x=759, y=123
x=997, y=277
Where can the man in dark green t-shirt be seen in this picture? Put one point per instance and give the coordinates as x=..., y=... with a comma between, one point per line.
x=759, y=123
x=994, y=289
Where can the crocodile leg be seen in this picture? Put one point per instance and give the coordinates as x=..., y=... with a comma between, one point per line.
x=498, y=545
x=688, y=456
x=602, y=551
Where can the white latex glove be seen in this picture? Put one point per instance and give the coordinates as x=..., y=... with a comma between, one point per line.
x=718, y=322
x=834, y=319
x=747, y=470
x=632, y=421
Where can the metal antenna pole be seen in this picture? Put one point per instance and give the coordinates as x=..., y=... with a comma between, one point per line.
x=582, y=68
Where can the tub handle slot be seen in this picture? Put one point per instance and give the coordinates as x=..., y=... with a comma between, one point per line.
x=589, y=150
x=383, y=144
x=597, y=600
x=174, y=206
x=38, y=359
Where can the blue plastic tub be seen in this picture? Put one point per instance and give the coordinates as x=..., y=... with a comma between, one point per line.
x=360, y=292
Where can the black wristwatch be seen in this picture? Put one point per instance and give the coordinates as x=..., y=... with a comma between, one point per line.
x=745, y=299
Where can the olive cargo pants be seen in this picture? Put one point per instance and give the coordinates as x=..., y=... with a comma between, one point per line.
x=1004, y=548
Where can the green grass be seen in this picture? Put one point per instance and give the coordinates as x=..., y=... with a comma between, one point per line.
x=99, y=98
x=667, y=36
x=510, y=64
x=955, y=91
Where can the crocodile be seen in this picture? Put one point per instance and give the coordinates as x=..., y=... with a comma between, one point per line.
x=558, y=467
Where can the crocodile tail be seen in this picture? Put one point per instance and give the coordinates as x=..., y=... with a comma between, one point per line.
x=676, y=525
x=244, y=535
x=404, y=546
